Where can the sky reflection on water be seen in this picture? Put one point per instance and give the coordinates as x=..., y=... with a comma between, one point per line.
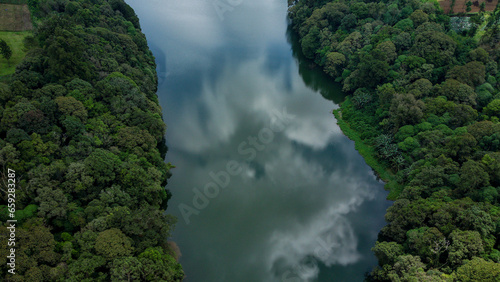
x=305, y=206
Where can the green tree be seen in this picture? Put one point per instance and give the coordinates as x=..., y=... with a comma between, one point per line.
x=478, y=269
x=419, y=17
x=479, y=54
x=71, y=106
x=310, y=43
x=458, y=92
x=387, y=252
x=86, y=267
x=389, y=49
x=469, y=6
x=434, y=46
x=473, y=176
x=133, y=137
x=482, y=6
x=126, y=269
x=334, y=63
x=102, y=165
x=493, y=108
x=406, y=268
x=471, y=73
x=405, y=109
x=159, y=266
x=423, y=242
x=465, y=245
x=421, y=88
x=474, y=218
x=5, y=50
x=112, y=243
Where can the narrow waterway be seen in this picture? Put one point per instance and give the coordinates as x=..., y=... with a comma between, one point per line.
x=266, y=187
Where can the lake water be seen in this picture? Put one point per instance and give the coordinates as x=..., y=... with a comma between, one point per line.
x=266, y=187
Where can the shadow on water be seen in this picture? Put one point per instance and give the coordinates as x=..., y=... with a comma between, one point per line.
x=312, y=74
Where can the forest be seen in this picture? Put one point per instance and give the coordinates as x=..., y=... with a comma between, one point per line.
x=81, y=127
x=424, y=110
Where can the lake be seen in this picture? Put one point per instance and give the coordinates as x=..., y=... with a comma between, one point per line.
x=266, y=187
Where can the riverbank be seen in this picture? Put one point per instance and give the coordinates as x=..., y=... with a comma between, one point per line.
x=423, y=113
x=369, y=154
x=83, y=141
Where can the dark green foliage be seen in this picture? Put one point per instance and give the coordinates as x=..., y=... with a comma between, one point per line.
x=426, y=100
x=5, y=49
x=80, y=122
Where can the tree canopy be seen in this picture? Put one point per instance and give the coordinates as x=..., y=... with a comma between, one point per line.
x=425, y=103
x=81, y=126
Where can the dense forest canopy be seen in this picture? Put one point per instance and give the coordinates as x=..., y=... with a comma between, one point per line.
x=82, y=129
x=425, y=100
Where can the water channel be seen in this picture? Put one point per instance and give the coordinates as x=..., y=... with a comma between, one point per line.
x=266, y=187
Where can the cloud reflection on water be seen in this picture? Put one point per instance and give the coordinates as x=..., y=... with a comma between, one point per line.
x=306, y=185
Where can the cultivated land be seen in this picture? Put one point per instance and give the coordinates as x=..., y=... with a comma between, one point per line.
x=460, y=6
x=15, y=41
x=15, y=25
x=15, y=18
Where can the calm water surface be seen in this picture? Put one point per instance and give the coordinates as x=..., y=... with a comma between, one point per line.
x=266, y=187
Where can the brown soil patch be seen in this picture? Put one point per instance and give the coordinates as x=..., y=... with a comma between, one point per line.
x=461, y=6
x=15, y=17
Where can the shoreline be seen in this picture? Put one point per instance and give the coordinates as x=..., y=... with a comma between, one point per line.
x=369, y=155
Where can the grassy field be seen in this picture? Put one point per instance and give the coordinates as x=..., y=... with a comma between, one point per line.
x=15, y=40
x=368, y=153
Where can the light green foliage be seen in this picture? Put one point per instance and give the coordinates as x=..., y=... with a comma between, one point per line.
x=126, y=269
x=15, y=42
x=493, y=108
x=474, y=218
x=408, y=145
x=407, y=268
x=426, y=242
x=351, y=43
x=465, y=245
x=478, y=269
x=334, y=63
x=405, y=25
x=158, y=266
x=404, y=132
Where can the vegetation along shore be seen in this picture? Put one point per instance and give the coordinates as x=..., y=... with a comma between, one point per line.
x=424, y=111
x=82, y=149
